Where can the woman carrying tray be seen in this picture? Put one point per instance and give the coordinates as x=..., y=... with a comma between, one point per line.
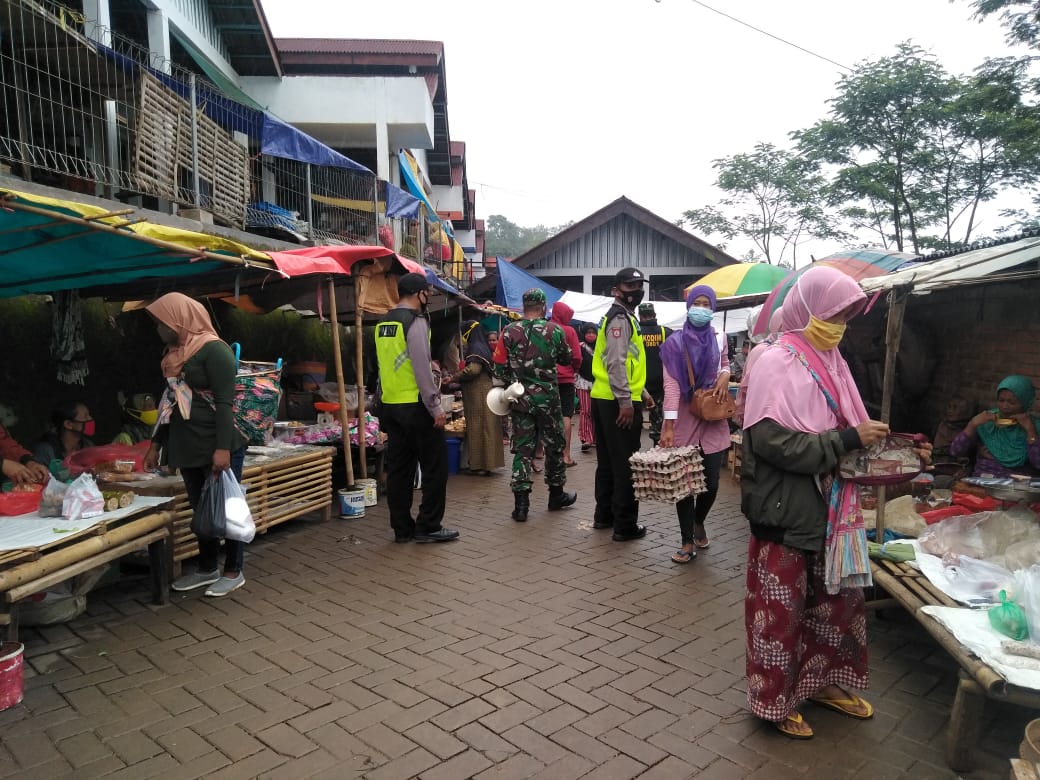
x=699, y=354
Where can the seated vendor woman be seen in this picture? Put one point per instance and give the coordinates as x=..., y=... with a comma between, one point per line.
x=1004, y=438
x=71, y=429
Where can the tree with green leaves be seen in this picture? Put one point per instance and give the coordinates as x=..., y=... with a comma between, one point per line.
x=914, y=150
x=507, y=239
x=773, y=198
x=1022, y=19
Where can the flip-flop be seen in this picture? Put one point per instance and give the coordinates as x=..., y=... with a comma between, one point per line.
x=682, y=556
x=794, y=717
x=569, y=463
x=703, y=542
x=843, y=706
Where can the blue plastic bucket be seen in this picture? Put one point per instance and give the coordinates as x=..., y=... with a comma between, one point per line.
x=352, y=502
x=454, y=454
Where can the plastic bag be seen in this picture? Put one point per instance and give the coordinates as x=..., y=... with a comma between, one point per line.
x=104, y=457
x=976, y=582
x=1009, y=619
x=1026, y=588
x=82, y=499
x=222, y=512
x=19, y=502
x=52, y=498
x=985, y=535
x=238, y=519
x=208, y=519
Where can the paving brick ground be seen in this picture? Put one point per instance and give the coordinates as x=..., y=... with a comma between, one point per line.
x=524, y=650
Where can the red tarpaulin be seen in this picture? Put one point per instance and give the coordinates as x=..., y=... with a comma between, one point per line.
x=330, y=259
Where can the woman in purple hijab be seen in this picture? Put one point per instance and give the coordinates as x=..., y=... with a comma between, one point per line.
x=698, y=350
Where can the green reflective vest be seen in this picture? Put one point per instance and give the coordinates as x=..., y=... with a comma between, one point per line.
x=635, y=361
x=396, y=375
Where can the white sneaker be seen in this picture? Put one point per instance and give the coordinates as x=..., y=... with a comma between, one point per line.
x=226, y=585
x=195, y=580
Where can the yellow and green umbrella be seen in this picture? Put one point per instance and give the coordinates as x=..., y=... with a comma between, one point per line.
x=742, y=279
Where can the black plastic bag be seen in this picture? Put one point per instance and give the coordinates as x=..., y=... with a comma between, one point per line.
x=209, y=520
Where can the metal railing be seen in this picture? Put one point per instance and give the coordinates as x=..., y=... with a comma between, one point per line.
x=85, y=109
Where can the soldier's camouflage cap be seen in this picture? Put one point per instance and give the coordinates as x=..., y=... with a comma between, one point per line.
x=534, y=296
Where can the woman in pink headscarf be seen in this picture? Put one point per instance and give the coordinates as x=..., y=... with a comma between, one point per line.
x=807, y=560
x=761, y=342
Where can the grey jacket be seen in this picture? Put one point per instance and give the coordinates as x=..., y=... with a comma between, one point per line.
x=779, y=487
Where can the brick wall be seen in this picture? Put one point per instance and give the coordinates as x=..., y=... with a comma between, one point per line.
x=969, y=337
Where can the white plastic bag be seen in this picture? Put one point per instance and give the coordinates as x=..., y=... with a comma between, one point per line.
x=240, y=526
x=976, y=582
x=82, y=499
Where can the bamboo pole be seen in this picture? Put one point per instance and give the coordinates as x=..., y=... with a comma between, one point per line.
x=893, y=335
x=344, y=421
x=360, y=374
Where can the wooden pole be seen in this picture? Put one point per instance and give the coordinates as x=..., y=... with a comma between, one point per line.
x=893, y=334
x=360, y=372
x=344, y=420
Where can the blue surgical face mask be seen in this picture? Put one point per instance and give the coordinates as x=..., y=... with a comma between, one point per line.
x=699, y=316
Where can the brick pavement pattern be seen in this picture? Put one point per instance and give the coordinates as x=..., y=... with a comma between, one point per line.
x=537, y=650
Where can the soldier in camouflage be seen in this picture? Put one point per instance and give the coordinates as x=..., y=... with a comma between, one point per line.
x=528, y=351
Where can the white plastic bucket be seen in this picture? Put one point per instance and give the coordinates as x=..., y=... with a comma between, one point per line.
x=352, y=502
x=371, y=491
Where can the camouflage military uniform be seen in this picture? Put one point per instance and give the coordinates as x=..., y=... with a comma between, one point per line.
x=528, y=352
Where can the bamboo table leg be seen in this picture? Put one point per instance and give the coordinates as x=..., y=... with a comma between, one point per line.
x=965, y=719
x=160, y=558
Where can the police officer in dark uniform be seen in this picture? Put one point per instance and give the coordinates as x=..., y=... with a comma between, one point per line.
x=653, y=336
x=618, y=396
x=412, y=417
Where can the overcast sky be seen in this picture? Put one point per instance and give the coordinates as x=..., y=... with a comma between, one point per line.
x=564, y=105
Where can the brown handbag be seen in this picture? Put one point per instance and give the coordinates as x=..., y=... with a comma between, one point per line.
x=703, y=403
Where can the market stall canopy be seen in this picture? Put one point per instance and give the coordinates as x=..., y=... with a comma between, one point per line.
x=999, y=262
x=50, y=245
x=513, y=282
x=859, y=264
x=742, y=279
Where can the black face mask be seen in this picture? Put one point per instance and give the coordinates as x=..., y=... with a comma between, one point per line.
x=631, y=299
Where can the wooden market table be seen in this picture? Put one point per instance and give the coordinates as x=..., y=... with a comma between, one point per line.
x=24, y=572
x=283, y=483
x=913, y=590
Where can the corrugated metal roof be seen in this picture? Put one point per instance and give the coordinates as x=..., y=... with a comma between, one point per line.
x=358, y=46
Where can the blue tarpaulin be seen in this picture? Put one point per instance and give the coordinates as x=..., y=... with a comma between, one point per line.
x=280, y=139
x=513, y=282
x=414, y=186
x=400, y=204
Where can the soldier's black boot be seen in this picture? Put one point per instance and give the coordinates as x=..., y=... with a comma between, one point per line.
x=521, y=503
x=558, y=499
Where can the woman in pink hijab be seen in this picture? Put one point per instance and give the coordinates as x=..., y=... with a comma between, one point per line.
x=807, y=562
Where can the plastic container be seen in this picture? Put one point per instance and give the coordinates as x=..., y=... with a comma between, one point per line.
x=454, y=454
x=371, y=490
x=352, y=502
x=12, y=681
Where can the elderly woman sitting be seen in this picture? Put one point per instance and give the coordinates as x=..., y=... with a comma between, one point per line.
x=1005, y=438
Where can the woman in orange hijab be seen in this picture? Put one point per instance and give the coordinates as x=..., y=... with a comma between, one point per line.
x=196, y=430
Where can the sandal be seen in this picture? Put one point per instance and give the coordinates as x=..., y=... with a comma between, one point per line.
x=789, y=727
x=536, y=468
x=701, y=539
x=683, y=556
x=863, y=711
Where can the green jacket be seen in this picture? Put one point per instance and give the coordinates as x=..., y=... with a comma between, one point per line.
x=779, y=481
x=191, y=443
